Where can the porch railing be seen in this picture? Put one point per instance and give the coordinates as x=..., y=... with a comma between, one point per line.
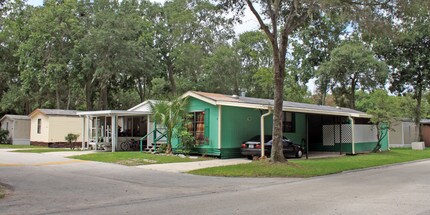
x=154, y=132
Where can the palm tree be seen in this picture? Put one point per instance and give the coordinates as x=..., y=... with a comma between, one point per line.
x=171, y=115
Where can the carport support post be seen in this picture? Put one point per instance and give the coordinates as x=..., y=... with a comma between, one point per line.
x=83, y=133
x=114, y=132
x=97, y=131
x=353, y=135
x=307, y=136
x=89, y=134
x=262, y=131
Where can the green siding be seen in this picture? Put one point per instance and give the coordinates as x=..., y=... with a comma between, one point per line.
x=238, y=125
x=297, y=136
x=211, y=128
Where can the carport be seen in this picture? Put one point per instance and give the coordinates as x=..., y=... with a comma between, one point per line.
x=321, y=128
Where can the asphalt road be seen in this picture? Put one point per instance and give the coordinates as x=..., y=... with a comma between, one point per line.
x=44, y=184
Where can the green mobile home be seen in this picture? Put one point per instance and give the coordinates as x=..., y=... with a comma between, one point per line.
x=221, y=123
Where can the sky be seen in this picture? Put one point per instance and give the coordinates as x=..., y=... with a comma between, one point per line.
x=249, y=23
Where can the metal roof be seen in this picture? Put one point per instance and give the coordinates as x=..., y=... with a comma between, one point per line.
x=425, y=121
x=111, y=113
x=55, y=112
x=15, y=117
x=258, y=103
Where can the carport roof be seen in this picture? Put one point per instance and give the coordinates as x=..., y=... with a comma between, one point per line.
x=257, y=103
x=112, y=112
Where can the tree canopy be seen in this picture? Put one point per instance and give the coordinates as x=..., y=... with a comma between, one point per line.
x=111, y=54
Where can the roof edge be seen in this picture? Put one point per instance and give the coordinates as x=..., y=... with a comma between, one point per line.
x=200, y=97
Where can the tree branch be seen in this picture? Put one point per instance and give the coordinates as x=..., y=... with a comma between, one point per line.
x=260, y=20
x=273, y=16
x=354, y=2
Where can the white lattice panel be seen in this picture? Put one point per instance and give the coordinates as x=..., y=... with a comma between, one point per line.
x=328, y=135
x=332, y=133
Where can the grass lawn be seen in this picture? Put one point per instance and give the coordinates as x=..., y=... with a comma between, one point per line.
x=10, y=146
x=134, y=158
x=43, y=150
x=315, y=167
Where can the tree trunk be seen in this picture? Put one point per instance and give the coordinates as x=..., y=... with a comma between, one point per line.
x=57, y=97
x=169, y=141
x=277, y=154
x=104, y=98
x=88, y=95
x=236, y=85
x=69, y=99
x=141, y=89
x=418, y=96
x=27, y=107
x=170, y=71
x=352, y=96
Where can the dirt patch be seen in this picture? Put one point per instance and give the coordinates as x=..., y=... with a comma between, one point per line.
x=136, y=162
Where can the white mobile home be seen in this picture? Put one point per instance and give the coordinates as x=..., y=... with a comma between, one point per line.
x=50, y=126
x=18, y=127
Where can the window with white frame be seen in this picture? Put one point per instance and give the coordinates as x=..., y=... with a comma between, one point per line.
x=39, y=126
x=289, y=122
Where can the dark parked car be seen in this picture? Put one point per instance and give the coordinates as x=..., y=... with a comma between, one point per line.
x=252, y=147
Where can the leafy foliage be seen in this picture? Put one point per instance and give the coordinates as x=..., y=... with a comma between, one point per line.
x=71, y=139
x=171, y=115
x=4, y=136
x=352, y=66
x=406, y=50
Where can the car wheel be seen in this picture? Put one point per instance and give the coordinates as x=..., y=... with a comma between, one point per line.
x=299, y=154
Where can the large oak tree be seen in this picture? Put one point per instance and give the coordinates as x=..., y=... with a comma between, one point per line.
x=279, y=19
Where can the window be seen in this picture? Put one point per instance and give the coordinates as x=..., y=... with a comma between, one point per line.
x=289, y=122
x=197, y=126
x=39, y=125
x=7, y=125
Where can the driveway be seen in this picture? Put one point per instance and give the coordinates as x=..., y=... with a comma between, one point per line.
x=73, y=187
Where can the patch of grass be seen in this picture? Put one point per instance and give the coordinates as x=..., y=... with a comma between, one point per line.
x=2, y=192
x=43, y=150
x=315, y=167
x=134, y=158
x=10, y=146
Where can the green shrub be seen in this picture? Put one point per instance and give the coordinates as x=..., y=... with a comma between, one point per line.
x=162, y=148
x=187, y=141
x=4, y=136
x=71, y=139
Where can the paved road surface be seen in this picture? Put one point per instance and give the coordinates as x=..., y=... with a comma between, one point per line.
x=44, y=184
